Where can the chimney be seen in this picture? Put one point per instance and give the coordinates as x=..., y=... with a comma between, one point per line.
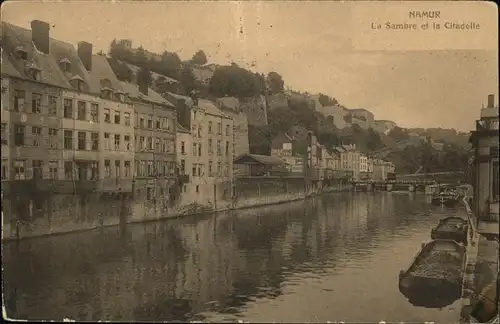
x=143, y=86
x=40, y=35
x=491, y=101
x=85, y=54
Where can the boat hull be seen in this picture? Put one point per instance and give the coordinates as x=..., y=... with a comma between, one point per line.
x=430, y=292
x=434, y=278
x=451, y=228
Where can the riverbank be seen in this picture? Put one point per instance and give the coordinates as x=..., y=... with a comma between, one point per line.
x=71, y=214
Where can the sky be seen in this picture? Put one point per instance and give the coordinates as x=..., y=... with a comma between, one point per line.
x=416, y=80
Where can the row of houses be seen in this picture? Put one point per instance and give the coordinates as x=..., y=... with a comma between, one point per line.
x=68, y=122
x=301, y=151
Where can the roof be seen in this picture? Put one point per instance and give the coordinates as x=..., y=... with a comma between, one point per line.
x=188, y=100
x=16, y=37
x=133, y=91
x=181, y=129
x=258, y=159
x=154, y=75
x=210, y=108
x=102, y=70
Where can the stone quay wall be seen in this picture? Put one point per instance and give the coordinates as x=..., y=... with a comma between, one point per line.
x=23, y=217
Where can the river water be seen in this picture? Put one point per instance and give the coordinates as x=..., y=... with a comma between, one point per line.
x=330, y=258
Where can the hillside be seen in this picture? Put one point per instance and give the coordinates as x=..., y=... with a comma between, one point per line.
x=434, y=149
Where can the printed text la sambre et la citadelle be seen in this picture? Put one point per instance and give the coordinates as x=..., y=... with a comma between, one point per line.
x=423, y=20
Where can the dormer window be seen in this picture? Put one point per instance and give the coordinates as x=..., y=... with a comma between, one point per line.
x=77, y=82
x=120, y=96
x=21, y=53
x=33, y=71
x=106, y=93
x=65, y=65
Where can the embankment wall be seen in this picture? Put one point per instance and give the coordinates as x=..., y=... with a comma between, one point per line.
x=61, y=213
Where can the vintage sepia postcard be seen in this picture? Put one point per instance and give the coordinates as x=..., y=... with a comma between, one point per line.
x=250, y=161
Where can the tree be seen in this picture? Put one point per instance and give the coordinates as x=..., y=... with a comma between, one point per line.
x=187, y=80
x=275, y=81
x=373, y=140
x=199, y=58
x=145, y=75
x=398, y=134
x=169, y=65
x=325, y=100
x=234, y=81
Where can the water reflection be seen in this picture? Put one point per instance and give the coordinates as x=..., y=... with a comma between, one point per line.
x=330, y=253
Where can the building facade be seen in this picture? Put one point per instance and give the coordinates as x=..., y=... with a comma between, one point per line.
x=154, y=138
x=184, y=163
x=485, y=141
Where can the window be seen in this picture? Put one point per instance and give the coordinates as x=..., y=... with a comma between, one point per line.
x=219, y=128
x=150, y=143
x=194, y=149
x=94, y=137
x=36, y=103
x=197, y=189
x=81, y=110
x=19, y=170
x=226, y=169
x=53, y=166
x=107, y=143
x=117, y=142
x=117, y=117
x=68, y=139
x=167, y=123
x=19, y=97
x=227, y=130
x=210, y=149
x=210, y=168
x=165, y=168
x=68, y=170
x=200, y=166
x=227, y=148
x=159, y=169
x=117, y=169
x=82, y=137
x=199, y=131
x=52, y=106
x=19, y=131
x=143, y=142
x=126, y=139
x=150, y=169
x=157, y=144
x=219, y=149
x=127, y=169
x=107, y=115
x=4, y=134
x=37, y=169
x=142, y=125
x=210, y=127
x=107, y=169
x=53, y=138
x=158, y=123
x=194, y=170
x=36, y=132
x=150, y=122
x=68, y=108
x=183, y=147
x=495, y=190
x=183, y=166
x=199, y=150
x=165, y=145
x=136, y=120
x=94, y=171
x=126, y=118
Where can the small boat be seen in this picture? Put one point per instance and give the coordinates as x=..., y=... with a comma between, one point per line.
x=434, y=278
x=448, y=199
x=451, y=228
